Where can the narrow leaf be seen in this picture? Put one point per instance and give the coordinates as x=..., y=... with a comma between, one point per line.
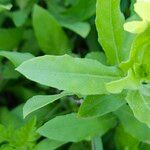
x=40, y=101
x=109, y=22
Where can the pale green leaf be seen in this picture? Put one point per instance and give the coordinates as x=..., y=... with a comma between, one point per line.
x=129, y=82
x=71, y=128
x=77, y=75
x=40, y=101
x=15, y=57
x=109, y=23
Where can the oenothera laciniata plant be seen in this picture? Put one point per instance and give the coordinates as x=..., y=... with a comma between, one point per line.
x=121, y=88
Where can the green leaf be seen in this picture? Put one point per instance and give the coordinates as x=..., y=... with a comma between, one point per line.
x=99, y=105
x=8, y=72
x=100, y=56
x=15, y=57
x=80, y=146
x=76, y=129
x=80, y=11
x=81, y=28
x=49, y=145
x=132, y=125
x=140, y=105
x=25, y=136
x=51, y=38
x=81, y=76
x=123, y=140
x=140, y=47
x=132, y=7
x=5, y=7
x=109, y=23
x=40, y=101
x=19, y=17
x=10, y=38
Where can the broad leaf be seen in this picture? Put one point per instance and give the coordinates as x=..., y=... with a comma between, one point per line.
x=76, y=129
x=15, y=57
x=51, y=37
x=99, y=105
x=82, y=76
x=40, y=101
x=109, y=23
x=140, y=105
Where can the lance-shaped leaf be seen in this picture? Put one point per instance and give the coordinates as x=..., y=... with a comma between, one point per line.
x=132, y=126
x=51, y=37
x=40, y=101
x=98, y=105
x=76, y=75
x=109, y=23
x=15, y=57
x=140, y=105
x=70, y=128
